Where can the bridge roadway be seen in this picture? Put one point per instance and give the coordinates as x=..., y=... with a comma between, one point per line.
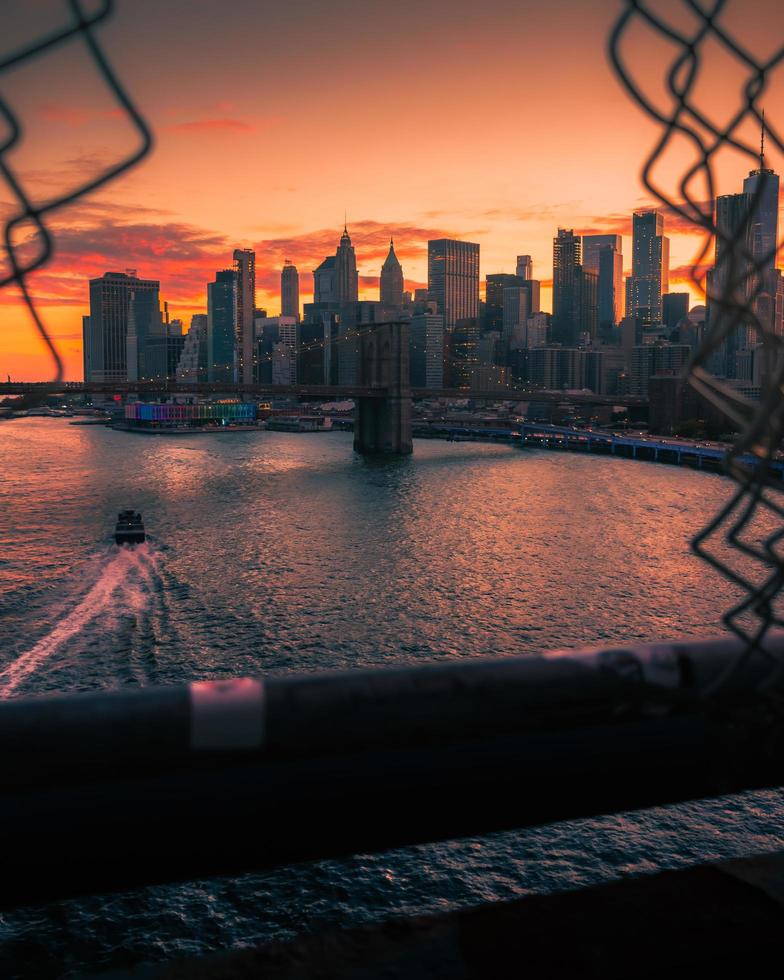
x=653, y=448
x=158, y=388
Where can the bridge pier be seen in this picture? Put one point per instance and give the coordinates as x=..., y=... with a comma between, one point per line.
x=383, y=425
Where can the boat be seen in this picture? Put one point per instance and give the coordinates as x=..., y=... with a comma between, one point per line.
x=129, y=529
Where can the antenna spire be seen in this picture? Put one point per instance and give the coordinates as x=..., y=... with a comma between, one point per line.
x=762, y=142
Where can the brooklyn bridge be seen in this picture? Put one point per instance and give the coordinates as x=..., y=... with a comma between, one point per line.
x=383, y=394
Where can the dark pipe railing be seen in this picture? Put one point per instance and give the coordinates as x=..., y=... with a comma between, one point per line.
x=113, y=790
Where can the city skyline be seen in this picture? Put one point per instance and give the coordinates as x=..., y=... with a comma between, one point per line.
x=212, y=184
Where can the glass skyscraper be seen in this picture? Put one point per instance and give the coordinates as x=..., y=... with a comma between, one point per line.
x=221, y=315
x=650, y=276
x=453, y=279
x=106, y=329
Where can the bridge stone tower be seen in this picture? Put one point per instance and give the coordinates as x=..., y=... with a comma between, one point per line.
x=383, y=424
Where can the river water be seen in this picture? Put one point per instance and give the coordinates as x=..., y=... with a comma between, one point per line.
x=276, y=552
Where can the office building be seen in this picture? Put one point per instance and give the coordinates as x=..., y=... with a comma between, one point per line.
x=565, y=368
x=453, y=279
x=525, y=267
x=221, y=322
x=244, y=311
x=426, y=350
x=603, y=255
x=495, y=284
x=192, y=366
x=567, y=256
x=650, y=267
x=462, y=352
x=106, y=328
x=289, y=290
x=655, y=359
x=516, y=310
x=730, y=283
x=762, y=186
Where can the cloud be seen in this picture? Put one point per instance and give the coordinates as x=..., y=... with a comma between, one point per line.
x=95, y=237
x=72, y=115
x=621, y=223
x=685, y=273
x=212, y=126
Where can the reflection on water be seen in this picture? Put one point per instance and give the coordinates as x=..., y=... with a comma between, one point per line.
x=282, y=552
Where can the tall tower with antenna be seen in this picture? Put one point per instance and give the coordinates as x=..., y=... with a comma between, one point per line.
x=763, y=186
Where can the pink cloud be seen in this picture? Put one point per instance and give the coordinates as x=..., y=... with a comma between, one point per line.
x=212, y=126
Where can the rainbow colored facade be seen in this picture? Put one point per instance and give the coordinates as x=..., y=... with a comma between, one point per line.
x=154, y=415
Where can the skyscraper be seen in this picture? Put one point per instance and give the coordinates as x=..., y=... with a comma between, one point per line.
x=525, y=267
x=346, y=276
x=567, y=253
x=603, y=255
x=336, y=280
x=731, y=279
x=221, y=319
x=453, y=279
x=495, y=284
x=391, y=285
x=245, y=271
x=650, y=276
x=106, y=329
x=289, y=290
x=762, y=185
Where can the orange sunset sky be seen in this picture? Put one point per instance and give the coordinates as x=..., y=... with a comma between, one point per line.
x=496, y=122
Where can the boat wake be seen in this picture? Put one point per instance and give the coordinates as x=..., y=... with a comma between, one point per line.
x=126, y=585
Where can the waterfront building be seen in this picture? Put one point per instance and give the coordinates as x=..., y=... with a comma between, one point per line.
x=105, y=330
x=650, y=266
x=603, y=255
x=192, y=366
x=426, y=350
x=245, y=308
x=565, y=368
x=86, y=350
x=453, y=279
x=391, y=283
x=221, y=318
x=168, y=415
x=289, y=290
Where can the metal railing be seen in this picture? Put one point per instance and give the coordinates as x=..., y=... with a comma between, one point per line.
x=112, y=790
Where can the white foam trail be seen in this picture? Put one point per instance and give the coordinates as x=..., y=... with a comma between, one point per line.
x=131, y=573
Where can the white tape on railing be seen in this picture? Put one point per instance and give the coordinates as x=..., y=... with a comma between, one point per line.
x=227, y=714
